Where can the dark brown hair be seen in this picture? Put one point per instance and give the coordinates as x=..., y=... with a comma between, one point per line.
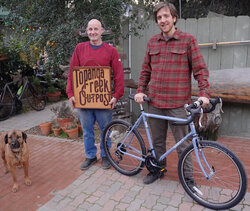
x=168, y=5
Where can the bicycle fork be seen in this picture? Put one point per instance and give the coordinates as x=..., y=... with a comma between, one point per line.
x=198, y=150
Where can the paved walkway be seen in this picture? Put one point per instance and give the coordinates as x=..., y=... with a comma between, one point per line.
x=58, y=184
x=28, y=120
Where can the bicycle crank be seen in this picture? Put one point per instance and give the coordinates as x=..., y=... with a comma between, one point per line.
x=153, y=165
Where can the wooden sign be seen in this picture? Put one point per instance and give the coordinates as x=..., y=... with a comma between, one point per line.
x=92, y=87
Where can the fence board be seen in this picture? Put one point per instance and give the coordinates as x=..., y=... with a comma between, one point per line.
x=191, y=26
x=241, y=33
x=215, y=34
x=227, y=52
x=138, y=51
x=181, y=24
x=203, y=36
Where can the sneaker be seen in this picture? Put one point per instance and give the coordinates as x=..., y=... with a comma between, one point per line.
x=151, y=177
x=87, y=163
x=105, y=163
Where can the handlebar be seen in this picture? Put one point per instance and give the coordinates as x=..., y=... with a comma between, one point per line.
x=132, y=97
x=193, y=109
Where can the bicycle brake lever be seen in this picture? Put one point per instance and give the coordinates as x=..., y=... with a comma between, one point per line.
x=200, y=125
x=221, y=107
x=187, y=112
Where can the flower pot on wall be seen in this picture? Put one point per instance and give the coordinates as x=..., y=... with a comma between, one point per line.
x=45, y=128
x=72, y=133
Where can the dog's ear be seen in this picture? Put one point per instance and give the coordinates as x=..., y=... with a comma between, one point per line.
x=6, y=139
x=24, y=136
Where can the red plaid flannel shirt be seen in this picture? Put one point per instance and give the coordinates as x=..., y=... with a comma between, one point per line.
x=167, y=69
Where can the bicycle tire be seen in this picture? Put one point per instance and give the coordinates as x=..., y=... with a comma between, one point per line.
x=113, y=135
x=36, y=96
x=226, y=188
x=6, y=105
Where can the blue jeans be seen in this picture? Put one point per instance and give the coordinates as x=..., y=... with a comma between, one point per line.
x=87, y=118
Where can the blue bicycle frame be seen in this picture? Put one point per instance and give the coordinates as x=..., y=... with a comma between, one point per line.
x=192, y=133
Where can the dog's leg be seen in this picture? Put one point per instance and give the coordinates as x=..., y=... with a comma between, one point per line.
x=15, y=183
x=6, y=170
x=26, y=173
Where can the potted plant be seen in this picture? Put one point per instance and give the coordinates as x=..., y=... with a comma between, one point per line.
x=64, y=114
x=72, y=130
x=45, y=128
x=55, y=127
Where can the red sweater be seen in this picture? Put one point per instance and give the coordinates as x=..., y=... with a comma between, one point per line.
x=106, y=55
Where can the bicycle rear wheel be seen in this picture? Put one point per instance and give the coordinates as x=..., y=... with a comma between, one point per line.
x=226, y=187
x=36, y=96
x=6, y=105
x=116, y=148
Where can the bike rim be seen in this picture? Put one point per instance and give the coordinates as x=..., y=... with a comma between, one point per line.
x=224, y=187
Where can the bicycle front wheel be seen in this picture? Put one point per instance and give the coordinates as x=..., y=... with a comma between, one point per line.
x=125, y=155
x=36, y=96
x=228, y=182
x=6, y=105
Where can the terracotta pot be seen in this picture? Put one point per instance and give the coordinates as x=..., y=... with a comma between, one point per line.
x=56, y=131
x=63, y=122
x=53, y=97
x=45, y=128
x=72, y=133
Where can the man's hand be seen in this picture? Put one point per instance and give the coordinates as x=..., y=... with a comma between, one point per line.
x=139, y=97
x=205, y=101
x=72, y=101
x=113, y=102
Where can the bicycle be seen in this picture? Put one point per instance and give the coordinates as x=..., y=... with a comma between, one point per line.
x=217, y=179
x=11, y=97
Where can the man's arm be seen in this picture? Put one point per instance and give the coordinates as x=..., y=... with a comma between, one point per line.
x=118, y=77
x=144, y=78
x=200, y=71
x=69, y=89
x=145, y=74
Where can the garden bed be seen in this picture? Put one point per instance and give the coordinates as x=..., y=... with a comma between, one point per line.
x=37, y=131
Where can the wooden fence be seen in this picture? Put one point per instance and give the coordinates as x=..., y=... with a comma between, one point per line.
x=224, y=43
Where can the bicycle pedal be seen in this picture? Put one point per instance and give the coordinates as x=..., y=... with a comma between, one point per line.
x=163, y=170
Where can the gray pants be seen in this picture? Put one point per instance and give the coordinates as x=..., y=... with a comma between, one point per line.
x=159, y=129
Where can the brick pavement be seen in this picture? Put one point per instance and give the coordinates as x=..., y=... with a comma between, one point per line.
x=58, y=184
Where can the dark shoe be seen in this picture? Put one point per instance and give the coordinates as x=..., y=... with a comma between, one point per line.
x=87, y=163
x=105, y=163
x=151, y=177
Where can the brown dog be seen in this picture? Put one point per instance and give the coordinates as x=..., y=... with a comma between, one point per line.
x=14, y=151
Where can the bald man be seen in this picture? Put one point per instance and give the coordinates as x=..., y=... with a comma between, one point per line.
x=95, y=52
